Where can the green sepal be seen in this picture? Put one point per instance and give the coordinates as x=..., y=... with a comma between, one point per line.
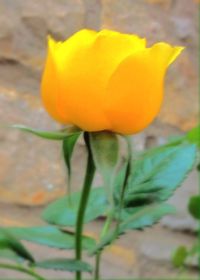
x=50, y=135
x=105, y=152
x=67, y=148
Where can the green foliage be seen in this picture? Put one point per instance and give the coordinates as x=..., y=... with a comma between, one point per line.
x=194, y=206
x=134, y=218
x=140, y=217
x=49, y=236
x=156, y=174
x=182, y=254
x=195, y=250
x=139, y=191
x=50, y=135
x=10, y=255
x=193, y=135
x=153, y=178
x=64, y=210
x=179, y=256
x=64, y=264
x=10, y=242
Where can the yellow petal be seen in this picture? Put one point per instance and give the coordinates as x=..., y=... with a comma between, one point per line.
x=79, y=95
x=85, y=71
x=176, y=52
x=50, y=85
x=165, y=53
x=111, y=47
x=65, y=52
x=58, y=53
x=135, y=90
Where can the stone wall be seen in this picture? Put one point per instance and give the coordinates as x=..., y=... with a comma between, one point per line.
x=31, y=169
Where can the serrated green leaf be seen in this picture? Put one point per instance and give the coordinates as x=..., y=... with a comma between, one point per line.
x=141, y=217
x=64, y=210
x=65, y=264
x=9, y=241
x=135, y=218
x=156, y=174
x=49, y=236
x=105, y=151
x=194, y=206
x=51, y=135
x=179, y=256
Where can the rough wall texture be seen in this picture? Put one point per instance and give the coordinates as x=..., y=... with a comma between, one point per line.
x=31, y=169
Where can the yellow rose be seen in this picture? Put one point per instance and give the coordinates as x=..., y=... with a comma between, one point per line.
x=105, y=80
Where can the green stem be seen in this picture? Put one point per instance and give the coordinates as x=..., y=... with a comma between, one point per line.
x=97, y=266
x=127, y=174
x=21, y=269
x=110, y=215
x=98, y=256
x=89, y=175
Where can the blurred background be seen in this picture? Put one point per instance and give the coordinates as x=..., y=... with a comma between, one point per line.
x=32, y=172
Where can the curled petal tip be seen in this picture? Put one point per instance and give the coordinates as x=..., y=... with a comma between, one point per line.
x=176, y=52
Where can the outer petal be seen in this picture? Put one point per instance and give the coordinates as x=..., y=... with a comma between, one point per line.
x=58, y=54
x=110, y=48
x=88, y=61
x=50, y=85
x=65, y=52
x=135, y=90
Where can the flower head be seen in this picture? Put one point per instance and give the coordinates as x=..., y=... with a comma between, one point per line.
x=105, y=80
